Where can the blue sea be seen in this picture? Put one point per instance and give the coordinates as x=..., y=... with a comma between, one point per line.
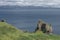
x=26, y=18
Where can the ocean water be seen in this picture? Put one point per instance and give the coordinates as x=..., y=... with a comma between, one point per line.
x=26, y=19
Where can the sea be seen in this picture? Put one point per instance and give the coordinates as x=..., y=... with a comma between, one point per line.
x=26, y=18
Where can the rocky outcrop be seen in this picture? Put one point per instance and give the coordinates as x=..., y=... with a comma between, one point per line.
x=44, y=27
x=3, y=20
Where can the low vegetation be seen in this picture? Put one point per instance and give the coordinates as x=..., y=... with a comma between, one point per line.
x=9, y=32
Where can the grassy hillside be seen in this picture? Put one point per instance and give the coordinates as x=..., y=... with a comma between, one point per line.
x=9, y=32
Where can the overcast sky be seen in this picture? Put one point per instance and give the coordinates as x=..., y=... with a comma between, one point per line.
x=55, y=3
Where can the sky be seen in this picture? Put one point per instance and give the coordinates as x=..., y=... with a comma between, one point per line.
x=52, y=3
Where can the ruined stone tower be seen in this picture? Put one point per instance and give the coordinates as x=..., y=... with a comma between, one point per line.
x=44, y=27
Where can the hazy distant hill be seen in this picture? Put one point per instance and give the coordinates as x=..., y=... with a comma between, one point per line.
x=26, y=7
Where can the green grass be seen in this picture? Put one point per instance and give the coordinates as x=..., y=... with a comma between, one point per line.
x=9, y=32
